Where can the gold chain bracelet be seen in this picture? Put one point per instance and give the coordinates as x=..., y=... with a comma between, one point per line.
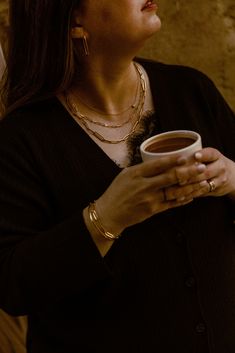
x=95, y=220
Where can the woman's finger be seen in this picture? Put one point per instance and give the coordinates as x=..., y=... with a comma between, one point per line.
x=154, y=167
x=189, y=172
x=190, y=190
x=207, y=155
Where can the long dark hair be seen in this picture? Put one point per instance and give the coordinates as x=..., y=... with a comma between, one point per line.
x=40, y=60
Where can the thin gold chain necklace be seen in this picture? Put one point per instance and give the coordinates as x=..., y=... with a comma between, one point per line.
x=73, y=109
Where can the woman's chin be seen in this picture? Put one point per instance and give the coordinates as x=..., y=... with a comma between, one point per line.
x=157, y=23
x=154, y=26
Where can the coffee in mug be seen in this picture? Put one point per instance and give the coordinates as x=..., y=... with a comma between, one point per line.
x=179, y=142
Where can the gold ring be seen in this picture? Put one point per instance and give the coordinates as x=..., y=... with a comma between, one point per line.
x=211, y=184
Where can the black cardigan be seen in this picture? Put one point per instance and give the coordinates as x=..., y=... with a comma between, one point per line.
x=167, y=285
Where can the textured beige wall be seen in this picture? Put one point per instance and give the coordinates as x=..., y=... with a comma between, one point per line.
x=198, y=33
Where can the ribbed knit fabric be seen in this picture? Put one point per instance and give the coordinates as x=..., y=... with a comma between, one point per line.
x=168, y=284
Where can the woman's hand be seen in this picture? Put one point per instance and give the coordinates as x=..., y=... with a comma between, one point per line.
x=220, y=170
x=218, y=176
x=138, y=192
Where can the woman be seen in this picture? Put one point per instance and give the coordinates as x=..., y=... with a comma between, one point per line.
x=148, y=266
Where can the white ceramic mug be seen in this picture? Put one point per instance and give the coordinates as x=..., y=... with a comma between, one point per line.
x=171, y=143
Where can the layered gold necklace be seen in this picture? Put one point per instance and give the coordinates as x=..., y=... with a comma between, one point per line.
x=137, y=112
x=102, y=113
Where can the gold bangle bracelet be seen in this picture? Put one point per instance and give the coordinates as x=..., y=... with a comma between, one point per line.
x=95, y=220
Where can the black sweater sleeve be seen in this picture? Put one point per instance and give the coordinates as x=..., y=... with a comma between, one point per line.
x=41, y=262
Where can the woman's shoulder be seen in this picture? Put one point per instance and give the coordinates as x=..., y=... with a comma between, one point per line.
x=28, y=118
x=172, y=71
x=29, y=129
x=180, y=79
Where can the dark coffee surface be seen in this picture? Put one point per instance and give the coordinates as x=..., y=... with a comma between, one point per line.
x=169, y=145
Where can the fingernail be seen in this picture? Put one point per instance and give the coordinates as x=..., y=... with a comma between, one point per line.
x=201, y=167
x=198, y=155
x=181, y=199
x=188, y=201
x=203, y=183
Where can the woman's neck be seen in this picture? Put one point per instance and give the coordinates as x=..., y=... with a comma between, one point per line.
x=107, y=87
